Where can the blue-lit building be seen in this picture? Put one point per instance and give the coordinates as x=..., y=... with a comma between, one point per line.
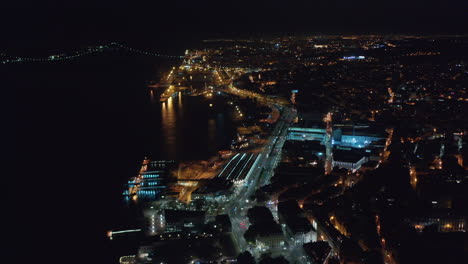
x=355, y=137
x=360, y=57
x=352, y=145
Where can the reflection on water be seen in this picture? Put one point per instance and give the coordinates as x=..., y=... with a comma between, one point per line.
x=180, y=110
x=169, y=125
x=189, y=129
x=212, y=129
x=152, y=96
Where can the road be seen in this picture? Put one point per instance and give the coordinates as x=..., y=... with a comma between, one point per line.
x=260, y=97
x=259, y=175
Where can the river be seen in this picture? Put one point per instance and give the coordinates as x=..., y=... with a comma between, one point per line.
x=82, y=128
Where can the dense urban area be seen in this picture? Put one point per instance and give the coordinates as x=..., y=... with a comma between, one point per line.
x=349, y=149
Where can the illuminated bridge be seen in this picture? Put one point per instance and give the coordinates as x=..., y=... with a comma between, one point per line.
x=8, y=58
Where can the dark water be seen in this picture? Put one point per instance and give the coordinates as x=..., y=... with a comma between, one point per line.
x=81, y=129
x=188, y=128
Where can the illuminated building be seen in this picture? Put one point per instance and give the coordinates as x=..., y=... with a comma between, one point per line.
x=442, y=220
x=356, y=137
x=354, y=57
x=127, y=259
x=183, y=220
x=305, y=134
x=270, y=235
x=300, y=230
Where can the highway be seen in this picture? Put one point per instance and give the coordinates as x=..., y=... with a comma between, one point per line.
x=258, y=176
x=260, y=97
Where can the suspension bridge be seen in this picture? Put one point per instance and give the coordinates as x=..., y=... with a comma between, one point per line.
x=7, y=58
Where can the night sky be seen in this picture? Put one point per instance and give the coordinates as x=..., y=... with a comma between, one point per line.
x=57, y=25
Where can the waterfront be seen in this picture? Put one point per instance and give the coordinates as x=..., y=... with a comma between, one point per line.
x=350, y=148
x=94, y=117
x=90, y=122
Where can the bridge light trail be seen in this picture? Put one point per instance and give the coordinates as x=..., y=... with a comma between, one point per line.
x=79, y=53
